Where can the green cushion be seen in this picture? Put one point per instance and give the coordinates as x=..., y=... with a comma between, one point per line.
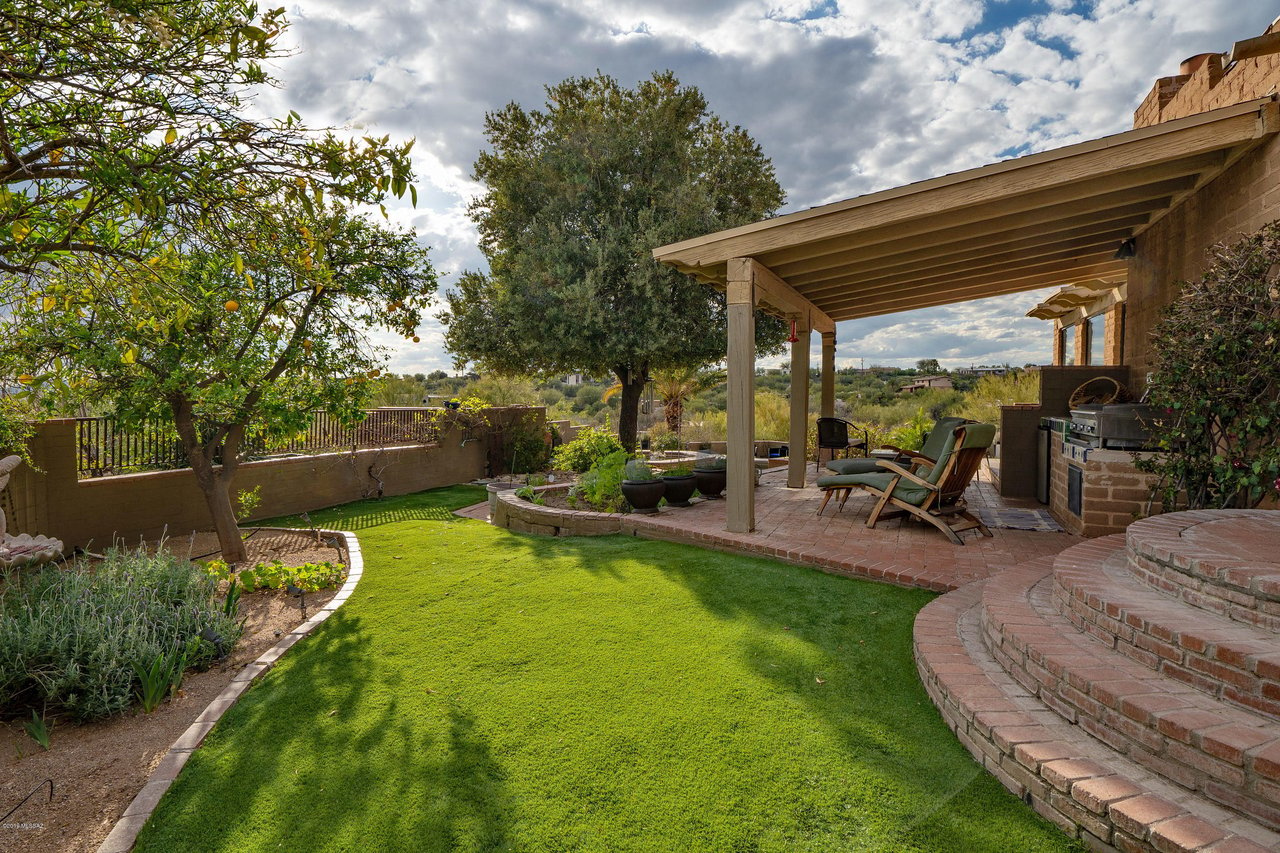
x=906, y=490
x=857, y=465
x=938, y=436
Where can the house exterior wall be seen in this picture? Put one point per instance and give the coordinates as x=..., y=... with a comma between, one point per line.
x=1242, y=199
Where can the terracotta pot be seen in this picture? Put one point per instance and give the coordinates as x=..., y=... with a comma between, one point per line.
x=643, y=495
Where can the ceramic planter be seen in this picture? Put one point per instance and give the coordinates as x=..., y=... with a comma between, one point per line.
x=711, y=481
x=643, y=495
x=680, y=489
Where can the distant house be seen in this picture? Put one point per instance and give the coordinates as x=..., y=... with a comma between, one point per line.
x=924, y=382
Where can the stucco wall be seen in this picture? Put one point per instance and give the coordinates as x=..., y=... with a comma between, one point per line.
x=55, y=502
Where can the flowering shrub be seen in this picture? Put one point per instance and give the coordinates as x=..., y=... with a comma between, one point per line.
x=1217, y=382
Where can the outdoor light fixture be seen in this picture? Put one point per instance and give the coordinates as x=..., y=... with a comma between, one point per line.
x=1125, y=251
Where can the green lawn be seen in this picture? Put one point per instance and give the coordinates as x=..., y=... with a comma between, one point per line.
x=484, y=690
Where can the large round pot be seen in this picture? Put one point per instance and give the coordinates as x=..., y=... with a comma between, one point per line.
x=494, y=490
x=711, y=481
x=680, y=489
x=643, y=495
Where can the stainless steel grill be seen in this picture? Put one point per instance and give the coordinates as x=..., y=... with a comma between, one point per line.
x=1115, y=426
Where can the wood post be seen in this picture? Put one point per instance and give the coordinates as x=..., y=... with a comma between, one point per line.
x=741, y=474
x=828, y=405
x=797, y=440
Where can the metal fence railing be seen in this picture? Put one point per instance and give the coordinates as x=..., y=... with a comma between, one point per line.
x=104, y=448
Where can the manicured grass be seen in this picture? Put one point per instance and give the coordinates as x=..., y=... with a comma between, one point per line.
x=484, y=690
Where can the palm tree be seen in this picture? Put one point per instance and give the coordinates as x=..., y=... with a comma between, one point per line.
x=674, y=385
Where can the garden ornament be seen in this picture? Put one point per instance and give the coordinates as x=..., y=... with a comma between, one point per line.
x=23, y=549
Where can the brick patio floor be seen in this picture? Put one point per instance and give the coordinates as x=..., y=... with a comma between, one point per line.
x=907, y=553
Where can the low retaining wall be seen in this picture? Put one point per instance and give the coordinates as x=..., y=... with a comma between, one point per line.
x=524, y=516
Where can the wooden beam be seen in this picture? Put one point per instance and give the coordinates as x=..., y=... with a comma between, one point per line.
x=1101, y=158
x=784, y=299
x=797, y=440
x=1155, y=185
x=1027, y=237
x=976, y=259
x=740, y=403
x=827, y=407
x=856, y=291
x=930, y=297
x=1263, y=45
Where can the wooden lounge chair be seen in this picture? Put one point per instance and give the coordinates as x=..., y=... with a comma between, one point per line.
x=927, y=454
x=934, y=494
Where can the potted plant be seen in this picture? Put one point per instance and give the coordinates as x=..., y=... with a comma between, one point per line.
x=710, y=475
x=680, y=485
x=641, y=487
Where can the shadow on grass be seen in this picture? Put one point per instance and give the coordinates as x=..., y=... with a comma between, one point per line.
x=333, y=697
x=329, y=698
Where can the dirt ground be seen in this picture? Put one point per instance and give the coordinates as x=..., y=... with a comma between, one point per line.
x=97, y=768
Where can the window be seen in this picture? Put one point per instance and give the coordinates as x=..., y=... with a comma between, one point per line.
x=1069, y=345
x=1095, y=331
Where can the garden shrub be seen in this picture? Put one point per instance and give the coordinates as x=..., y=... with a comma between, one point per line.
x=591, y=445
x=524, y=448
x=70, y=638
x=911, y=435
x=1217, y=382
x=601, y=487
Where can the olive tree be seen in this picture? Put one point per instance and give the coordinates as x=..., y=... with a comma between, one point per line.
x=577, y=194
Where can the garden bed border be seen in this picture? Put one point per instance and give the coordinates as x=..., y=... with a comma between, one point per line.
x=139, y=811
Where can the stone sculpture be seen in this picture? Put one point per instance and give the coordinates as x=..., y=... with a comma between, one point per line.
x=23, y=549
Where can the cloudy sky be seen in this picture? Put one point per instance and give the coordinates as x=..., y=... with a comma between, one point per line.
x=846, y=97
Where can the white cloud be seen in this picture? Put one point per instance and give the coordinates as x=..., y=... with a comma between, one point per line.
x=846, y=96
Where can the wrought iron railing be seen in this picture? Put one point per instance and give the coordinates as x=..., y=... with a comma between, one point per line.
x=104, y=448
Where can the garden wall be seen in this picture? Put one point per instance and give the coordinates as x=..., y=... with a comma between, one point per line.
x=56, y=503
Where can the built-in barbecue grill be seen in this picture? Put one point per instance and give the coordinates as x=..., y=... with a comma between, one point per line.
x=1114, y=426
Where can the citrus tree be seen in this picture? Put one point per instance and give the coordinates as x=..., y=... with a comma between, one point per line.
x=576, y=197
x=1217, y=381
x=225, y=346
x=121, y=120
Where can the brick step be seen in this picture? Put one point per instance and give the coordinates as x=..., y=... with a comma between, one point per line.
x=1079, y=783
x=1226, y=659
x=1228, y=754
x=1222, y=560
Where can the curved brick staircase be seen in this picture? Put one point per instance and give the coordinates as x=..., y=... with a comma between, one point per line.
x=1128, y=688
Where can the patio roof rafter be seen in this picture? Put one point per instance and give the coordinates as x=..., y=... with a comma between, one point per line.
x=1046, y=219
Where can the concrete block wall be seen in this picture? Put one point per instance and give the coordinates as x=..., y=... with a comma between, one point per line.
x=1209, y=87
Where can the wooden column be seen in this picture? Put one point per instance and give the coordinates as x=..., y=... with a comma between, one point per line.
x=741, y=485
x=799, y=406
x=828, y=405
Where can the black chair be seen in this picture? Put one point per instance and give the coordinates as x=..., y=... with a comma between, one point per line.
x=833, y=435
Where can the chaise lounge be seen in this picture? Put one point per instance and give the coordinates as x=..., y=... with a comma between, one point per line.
x=934, y=493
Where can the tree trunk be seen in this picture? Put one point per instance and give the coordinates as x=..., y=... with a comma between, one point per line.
x=214, y=484
x=675, y=413
x=633, y=382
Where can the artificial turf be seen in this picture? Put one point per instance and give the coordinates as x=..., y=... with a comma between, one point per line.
x=485, y=690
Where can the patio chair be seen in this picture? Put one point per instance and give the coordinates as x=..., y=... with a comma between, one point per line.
x=833, y=435
x=928, y=452
x=935, y=495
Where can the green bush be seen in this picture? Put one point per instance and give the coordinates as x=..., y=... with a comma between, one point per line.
x=524, y=448
x=601, y=487
x=911, y=435
x=591, y=445
x=70, y=639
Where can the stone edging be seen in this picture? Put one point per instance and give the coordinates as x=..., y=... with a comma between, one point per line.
x=138, y=812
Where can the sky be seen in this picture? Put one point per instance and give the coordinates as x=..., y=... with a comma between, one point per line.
x=845, y=96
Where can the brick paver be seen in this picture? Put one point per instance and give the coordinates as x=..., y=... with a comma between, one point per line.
x=899, y=551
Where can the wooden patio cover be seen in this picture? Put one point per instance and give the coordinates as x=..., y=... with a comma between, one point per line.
x=1035, y=221
x=1042, y=220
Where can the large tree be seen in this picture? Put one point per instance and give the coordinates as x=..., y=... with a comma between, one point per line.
x=120, y=119
x=225, y=347
x=577, y=195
